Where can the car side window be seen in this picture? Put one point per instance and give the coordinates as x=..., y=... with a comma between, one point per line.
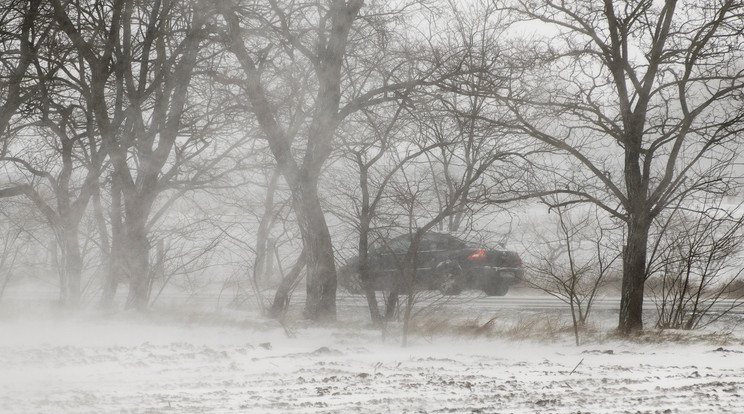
x=429, y=242
x=428, y=246
x=399, y=245
x=433, y=242
x=453, y=243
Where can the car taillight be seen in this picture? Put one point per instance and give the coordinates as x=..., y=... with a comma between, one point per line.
x=477, y=255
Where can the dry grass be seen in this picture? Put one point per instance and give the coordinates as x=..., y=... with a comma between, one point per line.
x=548, y=328
x=538, y=328
x=683, y=337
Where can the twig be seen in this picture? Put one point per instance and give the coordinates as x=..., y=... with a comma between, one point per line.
x=577, y=365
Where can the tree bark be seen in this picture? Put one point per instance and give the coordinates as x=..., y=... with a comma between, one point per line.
x=138, y=266
x=65, y=223
x=13, y=90
x=264, y=252
x=110, y=277
x=634, y=276
x=73, y=263
x=327, y=59
x=367, y=287
x=281, y=298
x=364, y=227
x=321, y=278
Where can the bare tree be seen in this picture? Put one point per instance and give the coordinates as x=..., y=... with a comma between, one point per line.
x=20, y=38
x=57, y=149
x=693, y=264
x=303, y=77
x=61, y=200
x=573, y=261
x=410, y=192
x=325, y=56
x=23, y=244
x=10, y=249
x=140, y=60
x=641, y=99
x=370, y=147
x=184, y=252
x=436, y=131
x=451, y=177
x=256, y=221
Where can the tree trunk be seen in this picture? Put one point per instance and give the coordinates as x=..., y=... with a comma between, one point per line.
x=281, y=298
x=137, y=250
x=321, y=268
x=138, y=268
x=264, y=246
x=364, y=225
x=367, y=287
x=108, y=243
x=391, y=304
x=73, y=264
x=54, y=249
x=634, y=276
x=111, y=281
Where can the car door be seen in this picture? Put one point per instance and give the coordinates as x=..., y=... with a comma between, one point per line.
x=388, y=261
x=432, y=250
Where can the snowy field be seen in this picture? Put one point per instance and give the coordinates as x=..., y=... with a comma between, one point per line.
x=233, y=361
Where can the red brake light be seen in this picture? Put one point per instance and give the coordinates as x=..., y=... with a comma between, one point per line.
x=477, y=255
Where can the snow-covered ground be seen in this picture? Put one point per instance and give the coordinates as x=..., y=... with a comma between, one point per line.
x=235, y=361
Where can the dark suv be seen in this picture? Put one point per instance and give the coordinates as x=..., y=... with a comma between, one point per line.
x=444, y=262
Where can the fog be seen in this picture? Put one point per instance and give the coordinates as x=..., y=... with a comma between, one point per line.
x=335, y=206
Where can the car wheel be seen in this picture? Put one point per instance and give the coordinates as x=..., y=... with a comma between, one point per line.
x=496, y=289
x=451, y=284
